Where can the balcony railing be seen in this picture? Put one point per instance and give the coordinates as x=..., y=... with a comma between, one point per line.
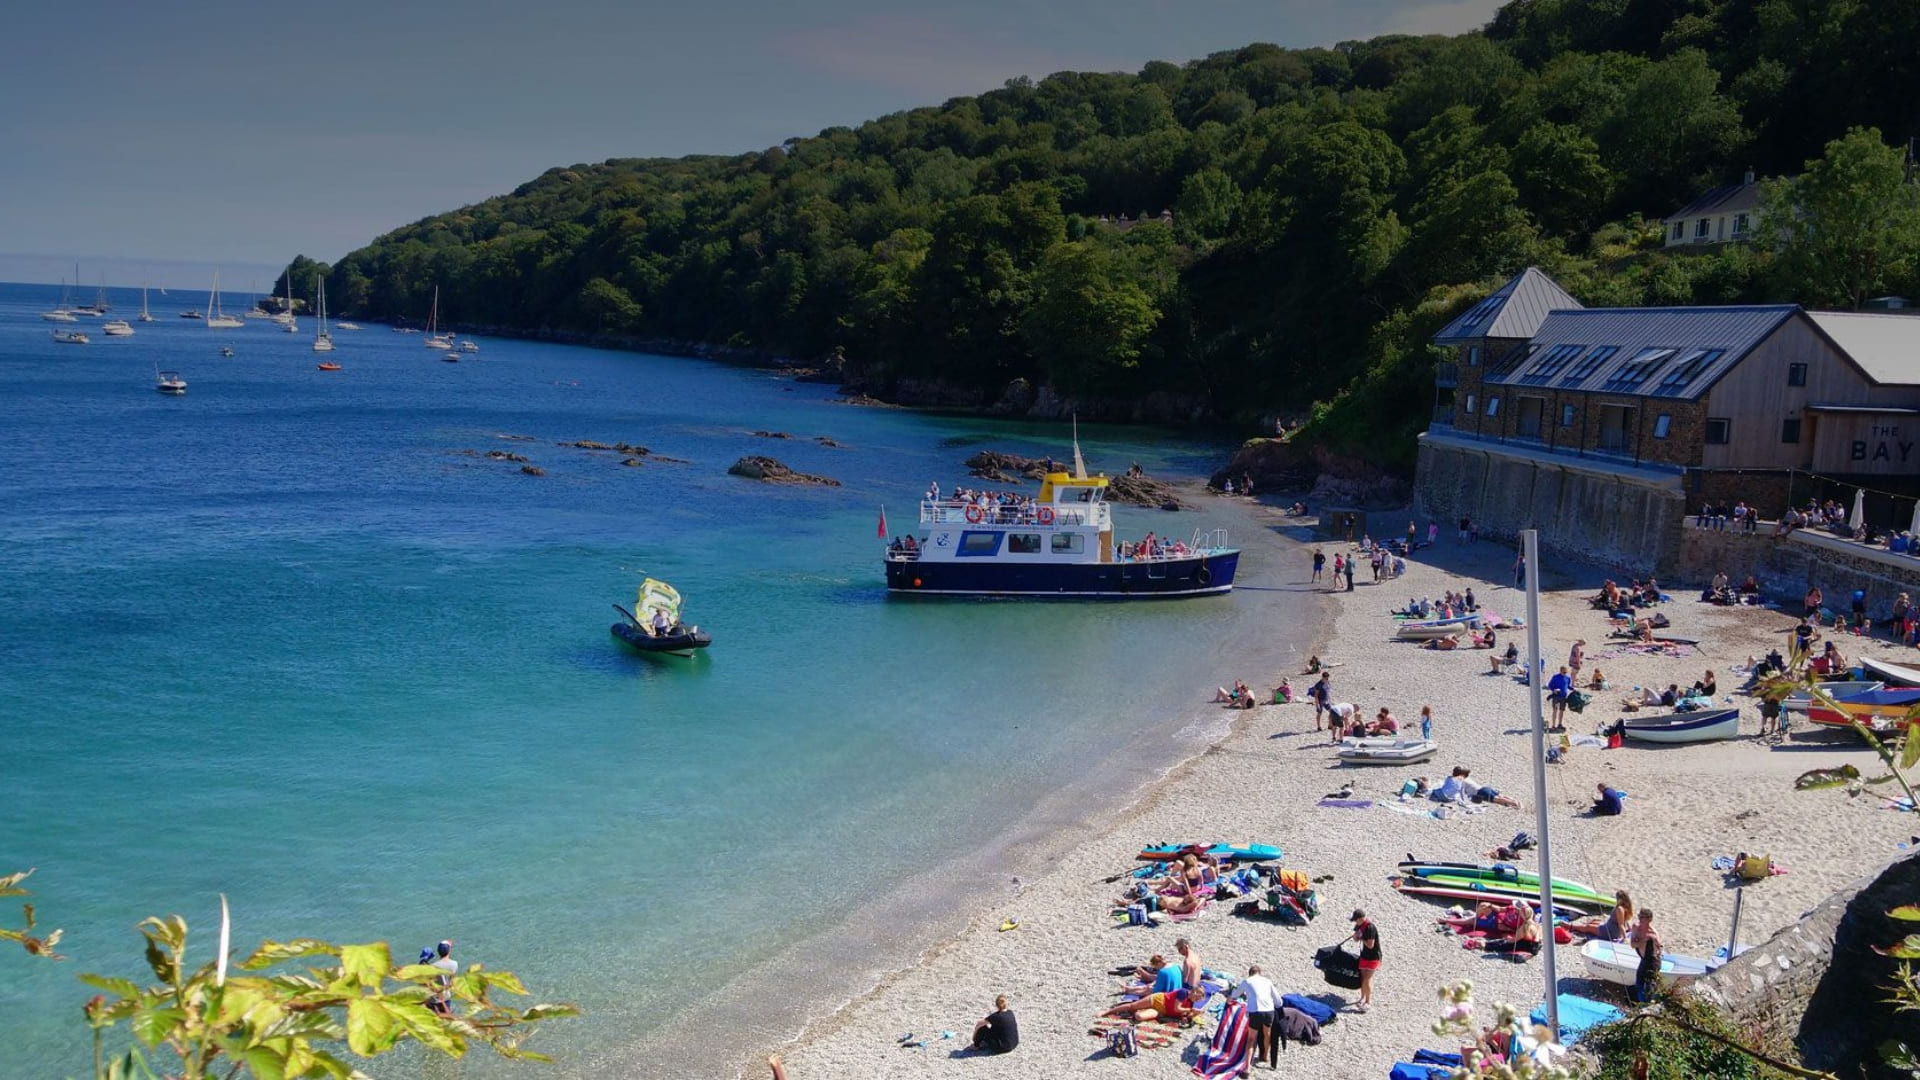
x=1446, y=374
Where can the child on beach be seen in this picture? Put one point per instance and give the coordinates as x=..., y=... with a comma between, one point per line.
x=1426, y=722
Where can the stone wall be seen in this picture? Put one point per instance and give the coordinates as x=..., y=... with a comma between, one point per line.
x=1582, y=511
x=1820, y=978
x=1787, y=565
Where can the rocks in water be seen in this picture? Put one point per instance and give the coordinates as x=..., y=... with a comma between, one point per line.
x=502, y=455
x=1135, y=488
x=771, y=435
x=619, y=448
x=588, y=444
x=824, y=441
x=1004, y=468
x=755, y=467
x=533, y=470
x=630, y=462
x=513, y=438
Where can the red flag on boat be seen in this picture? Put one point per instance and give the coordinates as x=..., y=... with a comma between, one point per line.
x=883, y=523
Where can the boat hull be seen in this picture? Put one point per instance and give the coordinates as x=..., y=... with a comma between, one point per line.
x=1200, y=575
x=1891, y=674
x=1708, y=725
x=1616, y=962
x=682, y=644
x=1430, y=631
x=1386, y=751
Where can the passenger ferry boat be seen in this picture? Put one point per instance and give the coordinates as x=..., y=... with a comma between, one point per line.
x=1060, y=546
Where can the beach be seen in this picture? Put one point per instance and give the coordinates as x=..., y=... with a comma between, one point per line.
x=1261, y=782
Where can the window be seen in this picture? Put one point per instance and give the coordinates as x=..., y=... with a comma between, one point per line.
x=978, y=543
x=1069, y=543
x=1481, y=312
x=1661, y=425
x=1675, y=384
x=1566, y=415
x=1023, y=543
x=1473, y=356
x=1531, y=418
x=1790, y=430
x=1616, y=426
x=1589, y=364
x=1740, y=224
x=1796, y=374
x=1679, y=230
x=1719, y=430
x=1550, y=363
x=1493, y=406
x=1635, y=371
x=1703, y=229
x=1469, y=404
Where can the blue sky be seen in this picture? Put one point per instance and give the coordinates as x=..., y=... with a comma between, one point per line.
x=184, y=136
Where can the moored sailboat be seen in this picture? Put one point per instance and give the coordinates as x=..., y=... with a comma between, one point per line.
x=145, y=315
x=436, y=338
x=322, y=341
x=216, y=319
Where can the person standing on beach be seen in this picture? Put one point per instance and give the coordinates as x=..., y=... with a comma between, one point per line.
x=1340, y=715
x=998, y=1033
x=1426, y=722
x=1413, y=536
x=1190, y=968
x=1319, y=563
x=1520, y=572
x=1368, y=936
x=1558, y=688
x=1433, y=532
x=1349, y=575
x=1645, y=941
x=1576, y=656
x=441, y=1001
x=1263, y=1001
x=1339, y=567
x=1322, y=695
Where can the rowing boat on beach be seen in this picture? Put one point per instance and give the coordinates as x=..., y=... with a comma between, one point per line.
x=1891, y=674
x=1802, y=699
x=1617, y=962
x=1385, y=751
x=1429, y=631
x=1705, y=725
x=1881, y=710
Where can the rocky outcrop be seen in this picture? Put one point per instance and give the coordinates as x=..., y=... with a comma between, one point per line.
x=1004, y=468
x=619, y=448
x=1135, y=488
x=533, y=470
x=502, y=455
x=824, y=441
x=771, y=435
x=1334, y=480
x=773, y=472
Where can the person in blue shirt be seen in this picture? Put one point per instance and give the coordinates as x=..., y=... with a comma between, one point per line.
x=1610, y=802
x=1558, y=687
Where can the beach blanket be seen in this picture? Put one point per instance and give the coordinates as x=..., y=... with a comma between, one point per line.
x=1346, y=804
x=1403, y=1070
x=1577, y=1015
x=1318, y=1010
x=1227, y=1054
x=1153, y=1034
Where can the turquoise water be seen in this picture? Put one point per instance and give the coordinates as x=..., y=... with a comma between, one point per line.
x=291, y=639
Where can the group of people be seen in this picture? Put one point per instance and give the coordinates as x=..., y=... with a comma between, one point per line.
x=1459, y=788
x=1153, y=547
x=1638, y=593
x=1743, y=517
x=995, y=507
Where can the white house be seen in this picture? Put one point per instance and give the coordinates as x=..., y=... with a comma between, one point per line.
x=1723, y=215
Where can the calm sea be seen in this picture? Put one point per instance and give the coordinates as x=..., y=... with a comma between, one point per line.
x=295, y=639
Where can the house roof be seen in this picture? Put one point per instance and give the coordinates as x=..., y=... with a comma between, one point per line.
x=1887, y=347
x=1730, y=199
x=1649, y=352
x=1515, y=310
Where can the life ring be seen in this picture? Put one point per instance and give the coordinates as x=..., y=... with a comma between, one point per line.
x=1203, y=575
x=1044, y=515
x=974, y=514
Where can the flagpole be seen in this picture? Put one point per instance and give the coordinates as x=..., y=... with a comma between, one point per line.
x=1530, y=541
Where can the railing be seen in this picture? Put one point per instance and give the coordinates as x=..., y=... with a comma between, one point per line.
x=1614, y=457
x=955, y=513
x=1446, y=374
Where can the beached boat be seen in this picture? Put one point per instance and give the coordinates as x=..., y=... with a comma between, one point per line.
x=169, y=382
x=1894, y=675
x=1061, y=547
x=1385, y=751
x=1882, y=711
x=1617, y=962
x=658, y=598
x=1802, y=699
x=1430, y=631
x=1704, y=725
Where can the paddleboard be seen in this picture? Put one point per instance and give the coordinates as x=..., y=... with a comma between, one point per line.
x=1440, y=892
x=1483, y=872
x=1242, y=853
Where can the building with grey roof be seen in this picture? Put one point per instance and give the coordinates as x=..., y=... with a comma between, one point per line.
x=1722, y=215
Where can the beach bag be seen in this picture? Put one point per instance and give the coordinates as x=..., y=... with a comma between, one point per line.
x=1124, y=1042
x=1578, y=701
x=1754, y=867
x=1320, y=1011
x=1338, y=966
x=1136, y=915
x=1297, y=880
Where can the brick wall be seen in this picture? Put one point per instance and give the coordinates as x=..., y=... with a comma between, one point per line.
x=1787, y=565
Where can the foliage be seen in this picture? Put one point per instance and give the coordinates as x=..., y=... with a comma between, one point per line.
x=1683, y=1038
x=1849, y=225
x=1506, y=1049
x=35, y=946
x=1322, y=201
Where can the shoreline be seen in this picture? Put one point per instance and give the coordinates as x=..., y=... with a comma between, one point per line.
x=1260, y=781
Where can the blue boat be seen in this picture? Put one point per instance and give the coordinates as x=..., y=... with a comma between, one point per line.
x=1059, y=545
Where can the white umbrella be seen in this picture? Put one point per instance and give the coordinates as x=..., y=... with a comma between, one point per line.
x=1913, y=528
x=1858, y=519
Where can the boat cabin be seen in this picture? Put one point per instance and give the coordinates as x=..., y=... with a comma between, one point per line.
x=1068, y=522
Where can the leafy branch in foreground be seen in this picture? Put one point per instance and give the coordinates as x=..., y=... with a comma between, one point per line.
x=36, y=946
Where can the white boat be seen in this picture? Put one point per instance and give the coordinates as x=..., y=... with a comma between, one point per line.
x=1616, y=962
x=99, y=305
x=145, y=315
x=1429, y=631
x=468, y=346
x=215, y=318
x=71, y=337
x=116, y=328
x=436, y=338
x=321, y=341
x=1894, y=675
x=60, y=313
x=1385, y=750
x=346, y=326
x=226, y=350
x=168, y=382
x=1705, y=725
x=1802, y=699
x=451, y=357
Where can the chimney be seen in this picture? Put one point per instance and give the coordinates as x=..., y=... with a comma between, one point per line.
x=1749, y=179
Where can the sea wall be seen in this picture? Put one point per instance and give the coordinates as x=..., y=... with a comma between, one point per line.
x=1628, y=519
x=1819, y=980
x=1787, y=565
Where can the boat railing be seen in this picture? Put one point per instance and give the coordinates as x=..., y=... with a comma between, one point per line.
x=903, y=554
x=948, y=512
x=1205, y=540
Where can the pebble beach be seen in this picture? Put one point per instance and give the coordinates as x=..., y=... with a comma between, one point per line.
x=1687, y=806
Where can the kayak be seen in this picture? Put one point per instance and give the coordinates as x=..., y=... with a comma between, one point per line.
x=1495, y=872
x=1242, y=853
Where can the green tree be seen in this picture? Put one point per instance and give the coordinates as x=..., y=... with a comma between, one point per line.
x=1088, y=318
x=606, y=307
x=1206, y=206
x=1847, y=228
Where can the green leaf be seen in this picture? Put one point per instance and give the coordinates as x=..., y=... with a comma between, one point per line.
x=152, y=1026
x=1906, y=913
x=417, y=972
x=160, y=960
x=1910, y=755
x=549, y=1012
x=427, y=1026
x=1909, y=949
x=1814, y=779
x=265, y=1063
x=504, y=980
x=366, y=964
x=123, y=988
x=371, y=1029
x=273, y=952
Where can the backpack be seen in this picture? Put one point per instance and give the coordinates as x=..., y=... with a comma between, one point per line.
x=1753, y=867
x=1124, y=1042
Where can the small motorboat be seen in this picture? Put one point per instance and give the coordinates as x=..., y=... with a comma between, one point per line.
x=657, y=628
x=1385, y=750
x=1883, y=711
x=1802, y=699
x=468, y=346
x=346, y=326
x=328, y=365
x=1429, y=631
x=1894, y=675
x=71, y=337
x=117, y=328
x=226, y=350
x=191, y=315
x=451, y=357
x=169, y=382
x=1617, y=962
x=1703, y=725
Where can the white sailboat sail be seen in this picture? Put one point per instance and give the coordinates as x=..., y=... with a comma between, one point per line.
x=215, y=318
x=436, y=339
x=322, y=341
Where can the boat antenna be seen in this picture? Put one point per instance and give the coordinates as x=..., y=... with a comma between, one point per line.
x=1079, y=465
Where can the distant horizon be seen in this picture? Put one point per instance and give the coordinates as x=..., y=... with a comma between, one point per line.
x=28, y=268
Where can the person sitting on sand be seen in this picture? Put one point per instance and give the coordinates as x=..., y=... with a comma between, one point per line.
x=1454, y=789
x=1598, y=682
x=1706, y=686
x=1383, y=723
x=1175, y=1005
x=1159, y=976
x=1521, y=930
x=1484, y=921
x=999, y=1033
x=1313, y=665
x=1613, y=926
x=1610, y=802
x=1190, y=967
x=1283, y=694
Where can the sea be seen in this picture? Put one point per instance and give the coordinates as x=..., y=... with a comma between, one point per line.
x=295, y=638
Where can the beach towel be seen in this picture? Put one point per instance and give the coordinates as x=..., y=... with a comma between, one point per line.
x=1436, y=1057
x=1578, y=1015
x=1319, y=1011
x=1292, y=1025
x=1150, y=1034
x=1345, y=804
x=1403, y=1070
x=1226, y=1055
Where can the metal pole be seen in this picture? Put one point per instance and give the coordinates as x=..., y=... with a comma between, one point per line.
x=1733, y=935
x=1530, y=546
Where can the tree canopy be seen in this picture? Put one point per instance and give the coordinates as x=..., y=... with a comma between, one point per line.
x=1250, y=233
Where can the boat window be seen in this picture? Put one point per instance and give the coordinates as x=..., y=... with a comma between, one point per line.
x=979, y=543
x=1069, y=543
x=1023, y=543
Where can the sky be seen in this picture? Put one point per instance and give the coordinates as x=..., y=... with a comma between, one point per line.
x=160, y=141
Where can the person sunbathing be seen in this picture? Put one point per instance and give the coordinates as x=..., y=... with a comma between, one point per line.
x=1485, y=920
x=1451, y=641
x=1521, y=933
x=1173, y=1005
x=1613, y=926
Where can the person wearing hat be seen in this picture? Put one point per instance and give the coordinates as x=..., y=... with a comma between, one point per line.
x=1368, y=936
x=442, y=999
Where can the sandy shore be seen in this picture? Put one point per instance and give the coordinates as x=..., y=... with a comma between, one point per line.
x=1687, y=805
